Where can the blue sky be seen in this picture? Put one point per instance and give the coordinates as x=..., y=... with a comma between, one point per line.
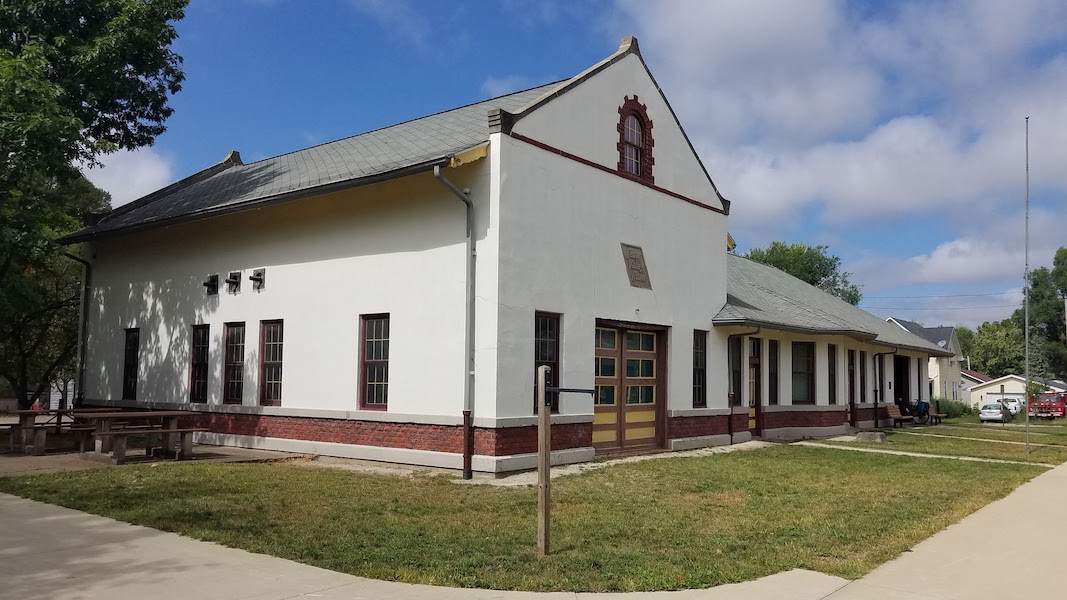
x=891, y=131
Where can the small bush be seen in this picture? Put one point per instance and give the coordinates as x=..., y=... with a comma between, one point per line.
x=951, y=408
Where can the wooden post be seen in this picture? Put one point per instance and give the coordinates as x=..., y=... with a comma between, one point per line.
x=544, y=462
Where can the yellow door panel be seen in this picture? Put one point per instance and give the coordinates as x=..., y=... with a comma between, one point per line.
x=640, y=433
x=604, y=418
x=607, y=435
x=640, y=416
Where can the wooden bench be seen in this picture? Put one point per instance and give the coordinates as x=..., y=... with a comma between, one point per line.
x=118, y=451
x=894, y=413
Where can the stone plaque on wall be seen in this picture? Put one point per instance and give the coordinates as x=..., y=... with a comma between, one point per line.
x=634, y=258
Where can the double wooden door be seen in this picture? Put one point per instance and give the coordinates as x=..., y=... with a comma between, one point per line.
x=630, y=370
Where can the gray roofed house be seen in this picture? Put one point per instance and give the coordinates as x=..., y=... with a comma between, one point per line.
x=394, y=151
x=761, y=295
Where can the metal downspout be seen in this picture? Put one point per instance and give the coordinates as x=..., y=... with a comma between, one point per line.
x=468, y=340
x=730, y=415
x=881, y=382
x=83, y=327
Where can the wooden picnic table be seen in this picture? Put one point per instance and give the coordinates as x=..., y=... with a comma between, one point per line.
x=30, y=436
x=114, y=426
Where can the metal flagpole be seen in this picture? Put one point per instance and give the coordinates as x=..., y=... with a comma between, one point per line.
x=1026, y=285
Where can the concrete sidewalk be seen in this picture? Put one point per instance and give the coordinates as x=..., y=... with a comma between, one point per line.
x=49, y=552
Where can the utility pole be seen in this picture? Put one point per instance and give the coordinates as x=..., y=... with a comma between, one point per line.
x=1026, y=286
x=544, y=462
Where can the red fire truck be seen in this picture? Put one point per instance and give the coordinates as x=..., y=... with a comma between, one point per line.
x=1048, y=405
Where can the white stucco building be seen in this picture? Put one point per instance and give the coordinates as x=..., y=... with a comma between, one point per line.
x=321, y=301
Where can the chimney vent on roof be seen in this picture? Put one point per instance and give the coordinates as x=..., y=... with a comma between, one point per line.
x=233, y=158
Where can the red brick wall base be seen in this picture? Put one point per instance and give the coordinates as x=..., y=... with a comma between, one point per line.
x=822, y=418
x=503, y=441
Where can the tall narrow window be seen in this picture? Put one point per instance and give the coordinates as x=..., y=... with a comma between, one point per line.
x=863, y=376
x=546, y=352
x=270, y=362
x=130, y=363
x=734, y=350
x=851, y=376
x=374, y=366
x=635, y=141
x=700, y=369
x=199, y=363
x=919, y=377
x=633, y=153
x=772, y=372
x=831, y=372
x=233, y=376
x=803, y=373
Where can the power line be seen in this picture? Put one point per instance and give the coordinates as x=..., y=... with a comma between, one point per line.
x=939, y=307
x=945, y=295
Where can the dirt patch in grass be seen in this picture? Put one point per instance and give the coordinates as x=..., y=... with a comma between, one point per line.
x=655, y=525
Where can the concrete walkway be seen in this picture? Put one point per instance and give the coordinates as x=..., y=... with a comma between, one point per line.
x=49, y=552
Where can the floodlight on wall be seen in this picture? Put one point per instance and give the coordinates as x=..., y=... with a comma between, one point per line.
x=258, y=279
x=233, y=282
x=212, y=285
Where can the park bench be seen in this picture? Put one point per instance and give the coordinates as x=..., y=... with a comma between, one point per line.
x=894, y=413
x=151, y=434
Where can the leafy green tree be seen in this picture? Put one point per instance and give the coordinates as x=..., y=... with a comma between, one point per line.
x=998, y=348
x=39, y=287
x=1048, y=288
x=81, y=78
x=965, y=335
x=811, y=264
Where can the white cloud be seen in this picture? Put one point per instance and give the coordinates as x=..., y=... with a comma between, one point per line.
x=498, y=86
x=128, y=175
x=399, y=18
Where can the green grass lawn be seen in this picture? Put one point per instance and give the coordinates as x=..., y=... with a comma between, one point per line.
x=1052, y=436
x=653, y=525
x=922, y=440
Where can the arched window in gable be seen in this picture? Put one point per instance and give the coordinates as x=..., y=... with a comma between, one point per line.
x=635, y=141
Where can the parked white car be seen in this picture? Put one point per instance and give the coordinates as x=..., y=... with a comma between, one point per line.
x=1014, y=405
x=994, y=411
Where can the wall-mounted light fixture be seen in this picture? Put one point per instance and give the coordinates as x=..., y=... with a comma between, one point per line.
x=212, y=285
x=258, y=279
x=233, y=282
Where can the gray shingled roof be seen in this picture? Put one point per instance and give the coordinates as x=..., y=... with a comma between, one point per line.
x=758, y=294
x=934, y=335
x=372, y=156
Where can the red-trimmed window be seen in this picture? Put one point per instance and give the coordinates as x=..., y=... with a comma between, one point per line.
x=198, y=366
x=270, y=363
x=233, y=370
x=546, y=352
x=700, y=369
x=635, y=141
x=374, y=365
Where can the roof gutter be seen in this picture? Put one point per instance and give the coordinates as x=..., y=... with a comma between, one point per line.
x=424, y=167
x=468, y=339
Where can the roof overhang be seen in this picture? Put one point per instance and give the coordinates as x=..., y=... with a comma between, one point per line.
x=852, y=333
x=88, y=235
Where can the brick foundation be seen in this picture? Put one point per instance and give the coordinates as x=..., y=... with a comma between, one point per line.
x=822, y=418
x=503, y=441
x=686, y=427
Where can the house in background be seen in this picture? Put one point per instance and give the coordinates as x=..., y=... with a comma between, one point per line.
x=945, y=371
x=389, y=296
x=1010, y=386
x=969, y=379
